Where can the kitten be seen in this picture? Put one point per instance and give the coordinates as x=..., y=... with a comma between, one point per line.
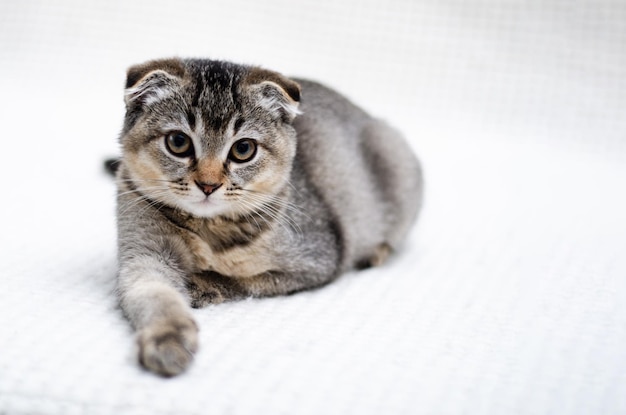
x=238, y=182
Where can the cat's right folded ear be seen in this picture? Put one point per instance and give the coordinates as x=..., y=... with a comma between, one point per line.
x=152, y=81
x=275, y=92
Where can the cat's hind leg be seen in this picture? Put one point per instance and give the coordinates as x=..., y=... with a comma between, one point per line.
x=380, y=255
x=377, y=258
x=213, y=288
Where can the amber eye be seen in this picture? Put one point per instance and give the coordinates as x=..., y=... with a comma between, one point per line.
x=179, y=144
x=243, y=150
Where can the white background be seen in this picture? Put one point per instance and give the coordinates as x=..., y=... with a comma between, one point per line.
x=509, y=296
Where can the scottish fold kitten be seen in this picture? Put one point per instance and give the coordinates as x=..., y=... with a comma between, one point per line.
x=238, y=182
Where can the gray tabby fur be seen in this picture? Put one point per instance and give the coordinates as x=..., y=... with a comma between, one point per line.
x=330, y=189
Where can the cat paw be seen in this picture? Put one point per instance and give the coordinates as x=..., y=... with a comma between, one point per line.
x=167, y=348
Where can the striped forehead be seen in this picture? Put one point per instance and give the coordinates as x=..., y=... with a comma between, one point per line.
x=212, y=105
x=211, y=137
x=214, y=90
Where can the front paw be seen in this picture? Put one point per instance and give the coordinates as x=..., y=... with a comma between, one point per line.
x=167, y=347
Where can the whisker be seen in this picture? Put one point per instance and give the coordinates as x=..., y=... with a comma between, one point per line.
x=259, y=206
x=148, y=180
x=142, y=190
x=256, y=210
x=253, y=205
x=248, y=215
x=279, y=200
x=152, y=199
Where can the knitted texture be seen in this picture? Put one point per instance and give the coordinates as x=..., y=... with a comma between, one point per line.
x=508, y=298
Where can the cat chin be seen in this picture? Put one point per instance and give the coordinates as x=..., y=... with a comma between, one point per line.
x=204, y=208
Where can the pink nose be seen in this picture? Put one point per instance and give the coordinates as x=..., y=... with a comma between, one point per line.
x=208, y=188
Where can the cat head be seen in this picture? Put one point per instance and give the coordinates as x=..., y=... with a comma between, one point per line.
x=208, y=137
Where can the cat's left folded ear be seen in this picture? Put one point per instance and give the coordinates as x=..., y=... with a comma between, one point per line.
x=152, y=81
x=276, y=93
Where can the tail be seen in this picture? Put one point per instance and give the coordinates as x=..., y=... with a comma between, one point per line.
x=112, y=165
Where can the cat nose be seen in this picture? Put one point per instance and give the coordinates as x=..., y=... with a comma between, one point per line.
x=208, y=188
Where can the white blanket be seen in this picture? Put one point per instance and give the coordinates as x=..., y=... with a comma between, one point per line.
x=508, y=298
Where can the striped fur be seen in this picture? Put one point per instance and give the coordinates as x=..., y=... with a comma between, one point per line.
x=236, y=181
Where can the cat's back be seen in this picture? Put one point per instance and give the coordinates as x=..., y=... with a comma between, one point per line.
x=319, y=101
x=363, y=169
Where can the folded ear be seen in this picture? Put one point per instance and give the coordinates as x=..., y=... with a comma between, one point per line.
x=276, y=93
x=152, y=81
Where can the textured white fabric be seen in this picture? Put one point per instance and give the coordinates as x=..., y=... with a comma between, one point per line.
x=509, y=297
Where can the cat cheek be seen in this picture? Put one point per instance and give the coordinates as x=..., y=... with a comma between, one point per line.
x=143, y=166
x=269, y=179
